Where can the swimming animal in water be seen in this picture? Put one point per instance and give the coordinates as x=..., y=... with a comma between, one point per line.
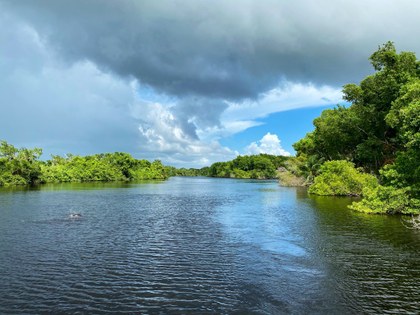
x=75, y=216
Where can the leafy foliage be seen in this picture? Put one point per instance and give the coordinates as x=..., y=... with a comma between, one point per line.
x=173, y=171
x=387, y=200
x=262, y=166
x=18, y=166
x=22, y=167
x=379, y=132
x=360, y=133
x=341, y=178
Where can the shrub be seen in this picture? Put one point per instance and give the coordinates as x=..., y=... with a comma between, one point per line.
x=387, y=200
x=341, y=178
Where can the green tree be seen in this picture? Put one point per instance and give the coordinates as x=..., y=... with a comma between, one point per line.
x=262, y=166
x=341, y=178
x=372, y=101
x=360, y=133
x=400, y=192
x=18, y=166
x=379, y=132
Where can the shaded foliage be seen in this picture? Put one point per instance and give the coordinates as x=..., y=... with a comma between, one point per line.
x=173, y=171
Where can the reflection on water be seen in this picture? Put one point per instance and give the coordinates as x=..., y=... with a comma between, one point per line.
x=374, y=259
x=200, y=245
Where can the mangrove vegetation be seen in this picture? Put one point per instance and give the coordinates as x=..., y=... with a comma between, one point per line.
x=262, y=166
x=24, y=167
x=375, y=138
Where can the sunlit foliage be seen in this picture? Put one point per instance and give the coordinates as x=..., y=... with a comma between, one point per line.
x=379, y=132
x=23, y=167
x=341, y=178
x=262, y=166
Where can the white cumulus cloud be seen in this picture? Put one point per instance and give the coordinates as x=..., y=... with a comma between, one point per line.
x=162, y=135
x=286, y=96
x=269, y=144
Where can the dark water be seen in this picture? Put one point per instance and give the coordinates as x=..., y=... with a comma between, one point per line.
x=200, y=245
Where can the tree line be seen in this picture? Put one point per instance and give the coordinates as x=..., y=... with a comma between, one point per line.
x=372, y=147
x=262, y=166
x=23, y=167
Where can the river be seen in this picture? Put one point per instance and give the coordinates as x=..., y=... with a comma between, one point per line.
x=200, y=246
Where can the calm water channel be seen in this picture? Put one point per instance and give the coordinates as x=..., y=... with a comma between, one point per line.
x=200, y=246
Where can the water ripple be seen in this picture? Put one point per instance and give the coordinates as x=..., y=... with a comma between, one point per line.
x=211, y=247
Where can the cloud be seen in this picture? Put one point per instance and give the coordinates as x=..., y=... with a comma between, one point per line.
x=163, y=136
x=57, y=106
x=286, y=96
x=239, y=116
x=221, y=49
x=170, y=79
x=81, y=109
x=269, y=144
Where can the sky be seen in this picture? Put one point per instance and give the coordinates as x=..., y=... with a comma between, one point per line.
x=189, y=82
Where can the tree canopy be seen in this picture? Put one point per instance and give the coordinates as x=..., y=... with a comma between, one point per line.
x=262, y=166
x=23, y=167
x=379, y=132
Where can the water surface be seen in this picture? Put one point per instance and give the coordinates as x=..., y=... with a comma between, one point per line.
x=200, y=245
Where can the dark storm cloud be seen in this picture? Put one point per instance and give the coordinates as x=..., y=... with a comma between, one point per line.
x=62, y=109
x=223, y=49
